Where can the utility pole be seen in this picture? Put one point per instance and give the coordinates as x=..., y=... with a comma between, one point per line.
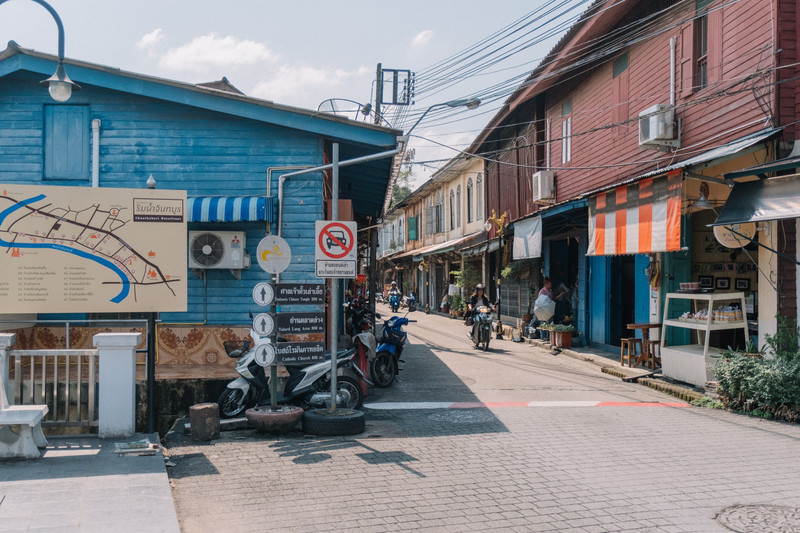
x=378, y=94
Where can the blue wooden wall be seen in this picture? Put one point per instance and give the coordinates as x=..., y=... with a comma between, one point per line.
x=183, y=147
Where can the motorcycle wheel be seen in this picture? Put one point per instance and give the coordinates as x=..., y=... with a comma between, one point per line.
x=232, y=403
x=383, y=370
x=350, y=391
x=485, y=336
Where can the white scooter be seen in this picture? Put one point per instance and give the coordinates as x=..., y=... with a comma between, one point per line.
x=307, y=386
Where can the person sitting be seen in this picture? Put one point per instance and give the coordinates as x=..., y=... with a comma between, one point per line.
x=478, y=300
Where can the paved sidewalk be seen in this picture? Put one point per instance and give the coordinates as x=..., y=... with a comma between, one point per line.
x=80, y=485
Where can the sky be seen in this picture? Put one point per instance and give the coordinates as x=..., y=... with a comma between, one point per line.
x=303, y=52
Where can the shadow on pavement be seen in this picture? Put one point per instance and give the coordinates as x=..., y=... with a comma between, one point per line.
x=192, y=465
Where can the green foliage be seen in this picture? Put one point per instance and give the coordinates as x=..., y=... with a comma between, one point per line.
x=753, y=384
x=784, y=345
x=402, y=186
x=519, y=269
x=456, y=302
x=707, y=402
x=467, y=278
x=564, y=327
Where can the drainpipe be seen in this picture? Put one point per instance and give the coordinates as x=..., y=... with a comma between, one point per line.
x=96, y=152
x=673, y=42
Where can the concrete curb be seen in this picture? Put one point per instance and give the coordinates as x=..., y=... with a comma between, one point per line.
x=641, y=376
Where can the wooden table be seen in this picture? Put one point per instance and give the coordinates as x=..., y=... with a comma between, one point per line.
x=647, y=358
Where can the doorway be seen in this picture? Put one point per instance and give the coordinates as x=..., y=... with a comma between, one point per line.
x=622, y=301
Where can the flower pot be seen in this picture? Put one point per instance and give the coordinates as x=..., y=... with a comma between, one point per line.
x=563, y=339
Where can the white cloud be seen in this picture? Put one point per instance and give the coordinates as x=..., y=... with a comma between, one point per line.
x=294, y=85
x=211, y=51
x=422, y=38
x=150, y=40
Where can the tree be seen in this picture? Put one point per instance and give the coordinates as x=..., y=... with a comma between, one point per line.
x=402, y=186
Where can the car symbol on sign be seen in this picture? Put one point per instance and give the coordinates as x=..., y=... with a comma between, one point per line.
x=339, y=234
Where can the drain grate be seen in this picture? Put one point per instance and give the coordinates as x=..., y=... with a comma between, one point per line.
x=761, y=519
x=463, y=416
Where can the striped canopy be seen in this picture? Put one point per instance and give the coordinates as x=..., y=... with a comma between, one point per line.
x=640, y=218
x=232, y=209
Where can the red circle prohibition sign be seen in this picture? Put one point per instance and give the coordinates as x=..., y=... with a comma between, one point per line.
x=330, y=237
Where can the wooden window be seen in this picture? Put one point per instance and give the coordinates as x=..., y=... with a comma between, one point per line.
x=412, y=228
x=566, y=132
x=469, y=201
x=458, y=206
x=452, y=210
x=66, y=142
x=479, y=196
x=701, y=49
x=620, y=111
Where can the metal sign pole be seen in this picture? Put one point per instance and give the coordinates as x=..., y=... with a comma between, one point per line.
x=273, y=369
x=334, y=281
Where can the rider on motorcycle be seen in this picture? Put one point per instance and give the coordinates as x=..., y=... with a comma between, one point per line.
x=478, y=300
x=394, y=292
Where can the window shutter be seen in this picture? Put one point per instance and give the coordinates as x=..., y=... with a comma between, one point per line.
x=412, y=228
x=687, y=60
x=67, y=146
x=715, y=37
x=621, y=109
x=428, y=220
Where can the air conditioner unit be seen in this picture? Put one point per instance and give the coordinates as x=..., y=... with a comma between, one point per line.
x=542, y=186
x=217, y=249
x=657, y=127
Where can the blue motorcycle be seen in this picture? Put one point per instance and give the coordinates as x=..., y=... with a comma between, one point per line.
x=394, y=301
x=385, y=366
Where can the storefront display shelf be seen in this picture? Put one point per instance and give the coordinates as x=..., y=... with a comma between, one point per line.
x=691, y=363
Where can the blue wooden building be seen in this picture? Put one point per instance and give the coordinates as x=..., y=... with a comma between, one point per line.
x=225, y=149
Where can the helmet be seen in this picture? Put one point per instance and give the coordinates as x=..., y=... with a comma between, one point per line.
x=394, y=284
x=480, y=286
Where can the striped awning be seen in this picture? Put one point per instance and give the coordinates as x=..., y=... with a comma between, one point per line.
x=232, y=208
x=640, y=218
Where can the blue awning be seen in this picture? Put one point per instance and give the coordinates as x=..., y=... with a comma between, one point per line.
x=232, y=209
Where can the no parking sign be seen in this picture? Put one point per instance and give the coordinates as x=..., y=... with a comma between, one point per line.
x=335, y=249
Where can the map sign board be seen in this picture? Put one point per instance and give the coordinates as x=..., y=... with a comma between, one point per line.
x=92, y=250
x=335, y=249
x=294, y=353
x=300, y=293
x=300, y=323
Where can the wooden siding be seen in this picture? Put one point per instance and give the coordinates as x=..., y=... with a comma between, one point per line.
x=788, y=90
x=787, y=270
x=204, y=152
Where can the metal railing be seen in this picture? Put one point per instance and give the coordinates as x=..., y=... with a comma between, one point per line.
x=64, y=380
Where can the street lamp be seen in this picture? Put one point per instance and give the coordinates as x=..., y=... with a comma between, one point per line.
x=59, y=84
x=499, y=224
x=469, y=103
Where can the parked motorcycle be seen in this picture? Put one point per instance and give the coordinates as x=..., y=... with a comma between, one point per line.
x=411, y=302
x=307, y=386
x=483, y=322
x=359, y=318
x=385, y=366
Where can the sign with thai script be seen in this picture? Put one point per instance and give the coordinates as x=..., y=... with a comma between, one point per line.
x=300, y=293
x=297, y=353
x=300, y=323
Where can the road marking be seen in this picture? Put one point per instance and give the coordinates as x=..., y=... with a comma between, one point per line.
x=389, y=406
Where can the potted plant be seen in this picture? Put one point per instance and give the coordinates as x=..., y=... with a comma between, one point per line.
x=563, y=335
x=456, y=305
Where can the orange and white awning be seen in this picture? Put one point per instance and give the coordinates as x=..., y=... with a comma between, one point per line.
x=640, y=218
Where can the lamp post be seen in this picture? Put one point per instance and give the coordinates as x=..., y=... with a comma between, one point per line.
x=499, y=224
x=59, y=84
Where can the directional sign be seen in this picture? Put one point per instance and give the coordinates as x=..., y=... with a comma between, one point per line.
x=335, y=249
x=265, y=354
x=273, y=254
x=300, y=323
x=293, y=353
x=300, y=293
x=263, y=324
x=263, y=293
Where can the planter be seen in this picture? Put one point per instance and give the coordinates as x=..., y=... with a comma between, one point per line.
x=562, y=339
x=457, y=314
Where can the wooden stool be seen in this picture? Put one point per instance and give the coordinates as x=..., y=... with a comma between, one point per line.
x=655, y=347
x=627, y=350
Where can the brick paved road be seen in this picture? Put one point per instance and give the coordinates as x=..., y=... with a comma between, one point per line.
x=546, y=468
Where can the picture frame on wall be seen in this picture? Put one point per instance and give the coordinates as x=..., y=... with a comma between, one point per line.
x=722, y=283
x=742, y=284
x=706, y=282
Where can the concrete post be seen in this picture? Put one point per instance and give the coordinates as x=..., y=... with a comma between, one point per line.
x=117, y=397
x=7, y=340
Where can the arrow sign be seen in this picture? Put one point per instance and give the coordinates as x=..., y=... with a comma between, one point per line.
x=263, y=324
x=263, y=294
x=265, y=355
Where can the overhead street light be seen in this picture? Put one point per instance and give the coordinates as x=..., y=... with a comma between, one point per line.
x=59, y=84
x=469, y=103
